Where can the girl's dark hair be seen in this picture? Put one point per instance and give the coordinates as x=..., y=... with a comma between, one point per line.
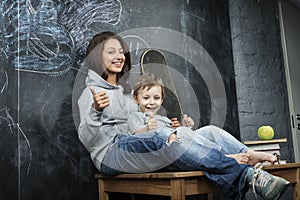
x=94, y=57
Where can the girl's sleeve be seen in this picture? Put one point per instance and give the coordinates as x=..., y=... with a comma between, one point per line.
x=89, y=119
x=168, y=122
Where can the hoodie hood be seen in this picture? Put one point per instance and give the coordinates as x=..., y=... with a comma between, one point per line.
x=93, y=79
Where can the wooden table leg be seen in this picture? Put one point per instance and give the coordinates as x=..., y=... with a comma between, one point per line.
x=210, y=196
x=297, y=185
x=177, y=189
x=102, y=194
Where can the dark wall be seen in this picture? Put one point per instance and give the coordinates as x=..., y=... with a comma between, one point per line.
x=260, y=75
x=41, y=52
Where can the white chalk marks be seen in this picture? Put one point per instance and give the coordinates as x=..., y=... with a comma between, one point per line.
x=23, y=143
x=46, y=36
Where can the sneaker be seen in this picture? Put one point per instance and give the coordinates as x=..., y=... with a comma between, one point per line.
x=266, y=185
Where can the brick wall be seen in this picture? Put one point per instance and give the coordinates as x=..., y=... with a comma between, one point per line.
x=260, y=77
x=259, y=71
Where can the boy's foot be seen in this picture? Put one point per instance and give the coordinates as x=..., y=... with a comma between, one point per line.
x=266, y=185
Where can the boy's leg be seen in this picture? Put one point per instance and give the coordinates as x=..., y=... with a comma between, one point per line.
x=138, y=153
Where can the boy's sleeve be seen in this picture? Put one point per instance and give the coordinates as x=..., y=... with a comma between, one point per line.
x=136, y=121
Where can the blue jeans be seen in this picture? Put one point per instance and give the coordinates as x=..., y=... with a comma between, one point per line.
x=194, y=150
x=224, y=141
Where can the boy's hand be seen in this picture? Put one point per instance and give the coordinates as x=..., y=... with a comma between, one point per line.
x=101, y=100
x=187, y=121
x=152, y=124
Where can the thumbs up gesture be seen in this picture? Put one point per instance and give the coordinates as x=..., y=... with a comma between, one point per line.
x=101, y=100
x=187, y=121
x=152, y=123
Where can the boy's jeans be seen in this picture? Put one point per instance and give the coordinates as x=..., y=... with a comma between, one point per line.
x=202, y=149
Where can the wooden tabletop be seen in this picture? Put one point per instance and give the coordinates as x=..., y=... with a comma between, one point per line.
x=281, y=166
x=190, y=173
x=156, y=175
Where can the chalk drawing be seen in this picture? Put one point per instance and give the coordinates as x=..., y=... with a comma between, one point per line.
x=84, y=19
x=137, y=45
x=49, y=37
x=15, y=128
x=3, y=81
x=62, y=134
x=3, y=43
x=34, y=39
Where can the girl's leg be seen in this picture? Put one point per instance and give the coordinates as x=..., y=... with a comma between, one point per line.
x=232, y=147
x=222, y=170
x=150, y=152
x=202, y=154
x=256, y=157
x=224, y=140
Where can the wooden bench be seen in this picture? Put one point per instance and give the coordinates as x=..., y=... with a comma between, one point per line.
x=177, y=185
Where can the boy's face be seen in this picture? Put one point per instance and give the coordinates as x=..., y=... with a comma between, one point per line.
x=149, y=100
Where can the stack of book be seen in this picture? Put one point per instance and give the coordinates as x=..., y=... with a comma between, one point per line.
x=268, y=146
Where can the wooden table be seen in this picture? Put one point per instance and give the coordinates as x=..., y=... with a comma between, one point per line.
x=177, y=185
x=290, y=172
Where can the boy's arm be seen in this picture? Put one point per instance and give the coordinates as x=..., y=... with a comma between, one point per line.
x=137, y=124
x=186, y=121
x=142, y=130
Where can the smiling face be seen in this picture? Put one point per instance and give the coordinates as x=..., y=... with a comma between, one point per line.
x=149, y=99
x=113, y=56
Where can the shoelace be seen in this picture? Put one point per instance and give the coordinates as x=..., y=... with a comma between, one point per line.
x=256, y=173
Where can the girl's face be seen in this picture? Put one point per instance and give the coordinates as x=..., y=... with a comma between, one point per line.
x=149, y=100
x=113, y=56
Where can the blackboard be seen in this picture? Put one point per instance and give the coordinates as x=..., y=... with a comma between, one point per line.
x=41, y=79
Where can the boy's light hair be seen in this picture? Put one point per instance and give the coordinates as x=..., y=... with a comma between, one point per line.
x=147, y=81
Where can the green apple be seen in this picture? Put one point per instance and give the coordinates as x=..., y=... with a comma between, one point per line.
x=265, y=133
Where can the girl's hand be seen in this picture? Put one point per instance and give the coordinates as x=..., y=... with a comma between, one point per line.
x=101, y=100
x=175, y=123
x=187, y=121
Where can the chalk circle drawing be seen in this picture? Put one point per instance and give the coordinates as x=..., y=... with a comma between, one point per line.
x=184, y=46
x=137, y=45
x=187, y=48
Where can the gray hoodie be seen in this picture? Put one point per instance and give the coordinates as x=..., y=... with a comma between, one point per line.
x=98, y=129
x=138, y=120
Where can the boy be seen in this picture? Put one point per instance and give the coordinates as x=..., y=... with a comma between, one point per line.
x=149, y=95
